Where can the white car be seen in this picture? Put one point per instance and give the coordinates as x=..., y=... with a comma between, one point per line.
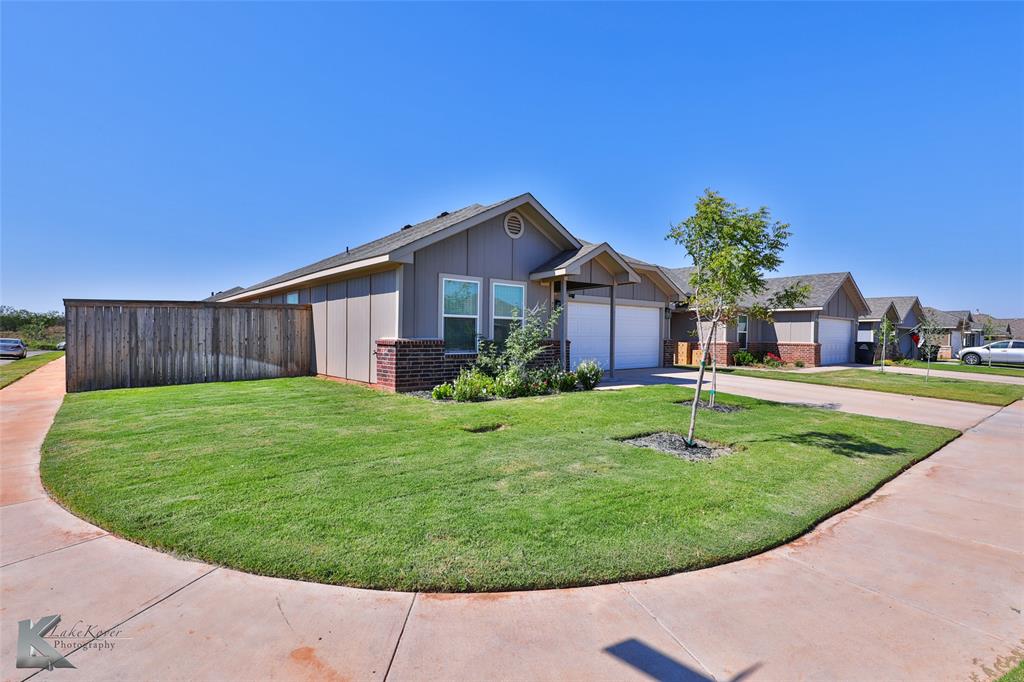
x=1002, y=352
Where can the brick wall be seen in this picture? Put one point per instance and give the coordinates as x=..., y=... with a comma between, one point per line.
x=420, y=364
x=810, y=353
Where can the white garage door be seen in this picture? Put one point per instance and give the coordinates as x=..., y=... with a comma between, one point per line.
x=637, y=335
x=836, y=339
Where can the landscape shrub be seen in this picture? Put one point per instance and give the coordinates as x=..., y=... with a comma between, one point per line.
x=472, y=384
x=512, y=383
x=743, y=357
x=799, y=363
x=773, y=360
x=589, y=374
x=443, y=391
x=566, y=381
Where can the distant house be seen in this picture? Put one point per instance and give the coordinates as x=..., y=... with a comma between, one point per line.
x=1003, y=328
x=957, y=324
x=869, y=323
x=820, y=331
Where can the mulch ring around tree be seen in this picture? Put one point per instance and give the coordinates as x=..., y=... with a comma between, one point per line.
x=717, y=407
x=675, y=445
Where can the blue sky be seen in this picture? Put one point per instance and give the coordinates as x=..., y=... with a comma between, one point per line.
x=163, y=150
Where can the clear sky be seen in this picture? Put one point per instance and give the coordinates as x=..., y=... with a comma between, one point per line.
x=163, y=150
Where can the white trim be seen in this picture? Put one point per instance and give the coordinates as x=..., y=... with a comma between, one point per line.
x=619, y=301
x=320, y=274
x=441, y=277
x=522, y=313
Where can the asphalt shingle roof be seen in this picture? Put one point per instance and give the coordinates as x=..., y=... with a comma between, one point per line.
x=823, y=286
x=382, y=246
x=877, y=307
x=948, y=320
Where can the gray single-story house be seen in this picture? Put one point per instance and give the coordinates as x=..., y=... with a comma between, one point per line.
x=869, y=324
x=958, y=325
x=820, y=331
x=910, y=313
x=405, y=311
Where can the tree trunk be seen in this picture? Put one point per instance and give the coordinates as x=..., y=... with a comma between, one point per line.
x=714, y=375
x=700, y=382
x=881, y=367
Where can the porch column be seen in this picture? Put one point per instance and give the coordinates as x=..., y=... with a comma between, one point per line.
x=565, y=321
x=611, y=333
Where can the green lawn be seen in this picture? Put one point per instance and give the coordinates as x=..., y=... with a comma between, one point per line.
x=12, y=372
x=1016, y=674
x=891, y=382
x=972, y=369
x=317, y=480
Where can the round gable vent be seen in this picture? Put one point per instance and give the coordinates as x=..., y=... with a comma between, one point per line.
x=514, y=225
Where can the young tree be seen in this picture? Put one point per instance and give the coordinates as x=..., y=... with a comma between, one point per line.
x=988, y=330
x=731, y=248
x=884, y=334
x=932, y=335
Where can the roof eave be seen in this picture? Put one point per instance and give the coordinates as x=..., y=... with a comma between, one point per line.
x=345, y=268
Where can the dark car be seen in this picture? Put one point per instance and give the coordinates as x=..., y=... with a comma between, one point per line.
x=13, y=348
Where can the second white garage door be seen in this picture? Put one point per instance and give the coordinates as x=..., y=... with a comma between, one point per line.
x=637, y=335
x=836, y=339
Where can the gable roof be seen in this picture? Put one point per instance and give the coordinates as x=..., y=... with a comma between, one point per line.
x=396, y=243
x=823, y=286
x=945, y=319
x=878, y=307
x=221, y=295
x=569, y=262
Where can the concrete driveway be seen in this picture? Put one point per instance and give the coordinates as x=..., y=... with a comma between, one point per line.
x=922, y=581
x=953, y=414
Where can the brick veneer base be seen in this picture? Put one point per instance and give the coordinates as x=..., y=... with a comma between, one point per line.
x=809, y=353
x=420, y=364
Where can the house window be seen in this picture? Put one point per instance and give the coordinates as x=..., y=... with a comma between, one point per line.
x=292, y=297
x=508, y=306
x=460, y=312
x=741, y=331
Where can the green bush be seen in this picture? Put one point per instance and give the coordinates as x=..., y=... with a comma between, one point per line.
x=589, y=374
x=565, y=382
x=743, y=357
x=512, y=383
x=443, y=391
x=472, y=384
x=799, y=363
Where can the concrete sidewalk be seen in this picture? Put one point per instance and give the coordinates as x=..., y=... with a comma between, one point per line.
x=937, y=371
x=953, y=414
x=923, y=580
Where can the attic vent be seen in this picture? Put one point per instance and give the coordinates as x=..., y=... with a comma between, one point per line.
x=442, y=214
x=514, y=225
x=406, y=227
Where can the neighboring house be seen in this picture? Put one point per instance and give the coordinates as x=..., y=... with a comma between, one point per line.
x=910, y=311
x=820, y=331
x=956, y=324
x=869, y=323
x=1005, y=328
x=406, y=311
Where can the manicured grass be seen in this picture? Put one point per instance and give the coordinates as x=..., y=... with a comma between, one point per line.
x=1014, y=675
x=972, y=369
x=322, y=481
x=11, y=372
x=906, y=384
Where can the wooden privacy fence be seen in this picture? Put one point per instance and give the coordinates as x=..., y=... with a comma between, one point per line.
x=121, y=344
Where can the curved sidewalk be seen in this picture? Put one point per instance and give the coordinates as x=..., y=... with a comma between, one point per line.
x=924, y=580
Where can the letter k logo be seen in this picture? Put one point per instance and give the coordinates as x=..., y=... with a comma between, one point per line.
x=31, y=638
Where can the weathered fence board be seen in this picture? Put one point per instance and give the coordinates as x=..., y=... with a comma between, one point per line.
x=122, y=344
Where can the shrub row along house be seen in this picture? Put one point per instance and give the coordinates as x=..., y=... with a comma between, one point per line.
x=405, y=311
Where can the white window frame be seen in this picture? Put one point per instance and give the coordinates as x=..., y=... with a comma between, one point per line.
x=289, y=295
x=522, y=313
x=442, y=278
x=745, y=332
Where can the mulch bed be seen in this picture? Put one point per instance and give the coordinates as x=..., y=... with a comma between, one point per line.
x=717, y=407
x=675, y=445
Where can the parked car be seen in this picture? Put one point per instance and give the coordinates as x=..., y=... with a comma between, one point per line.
x=62, y=345
x=13, y=348
x=1003, y=352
